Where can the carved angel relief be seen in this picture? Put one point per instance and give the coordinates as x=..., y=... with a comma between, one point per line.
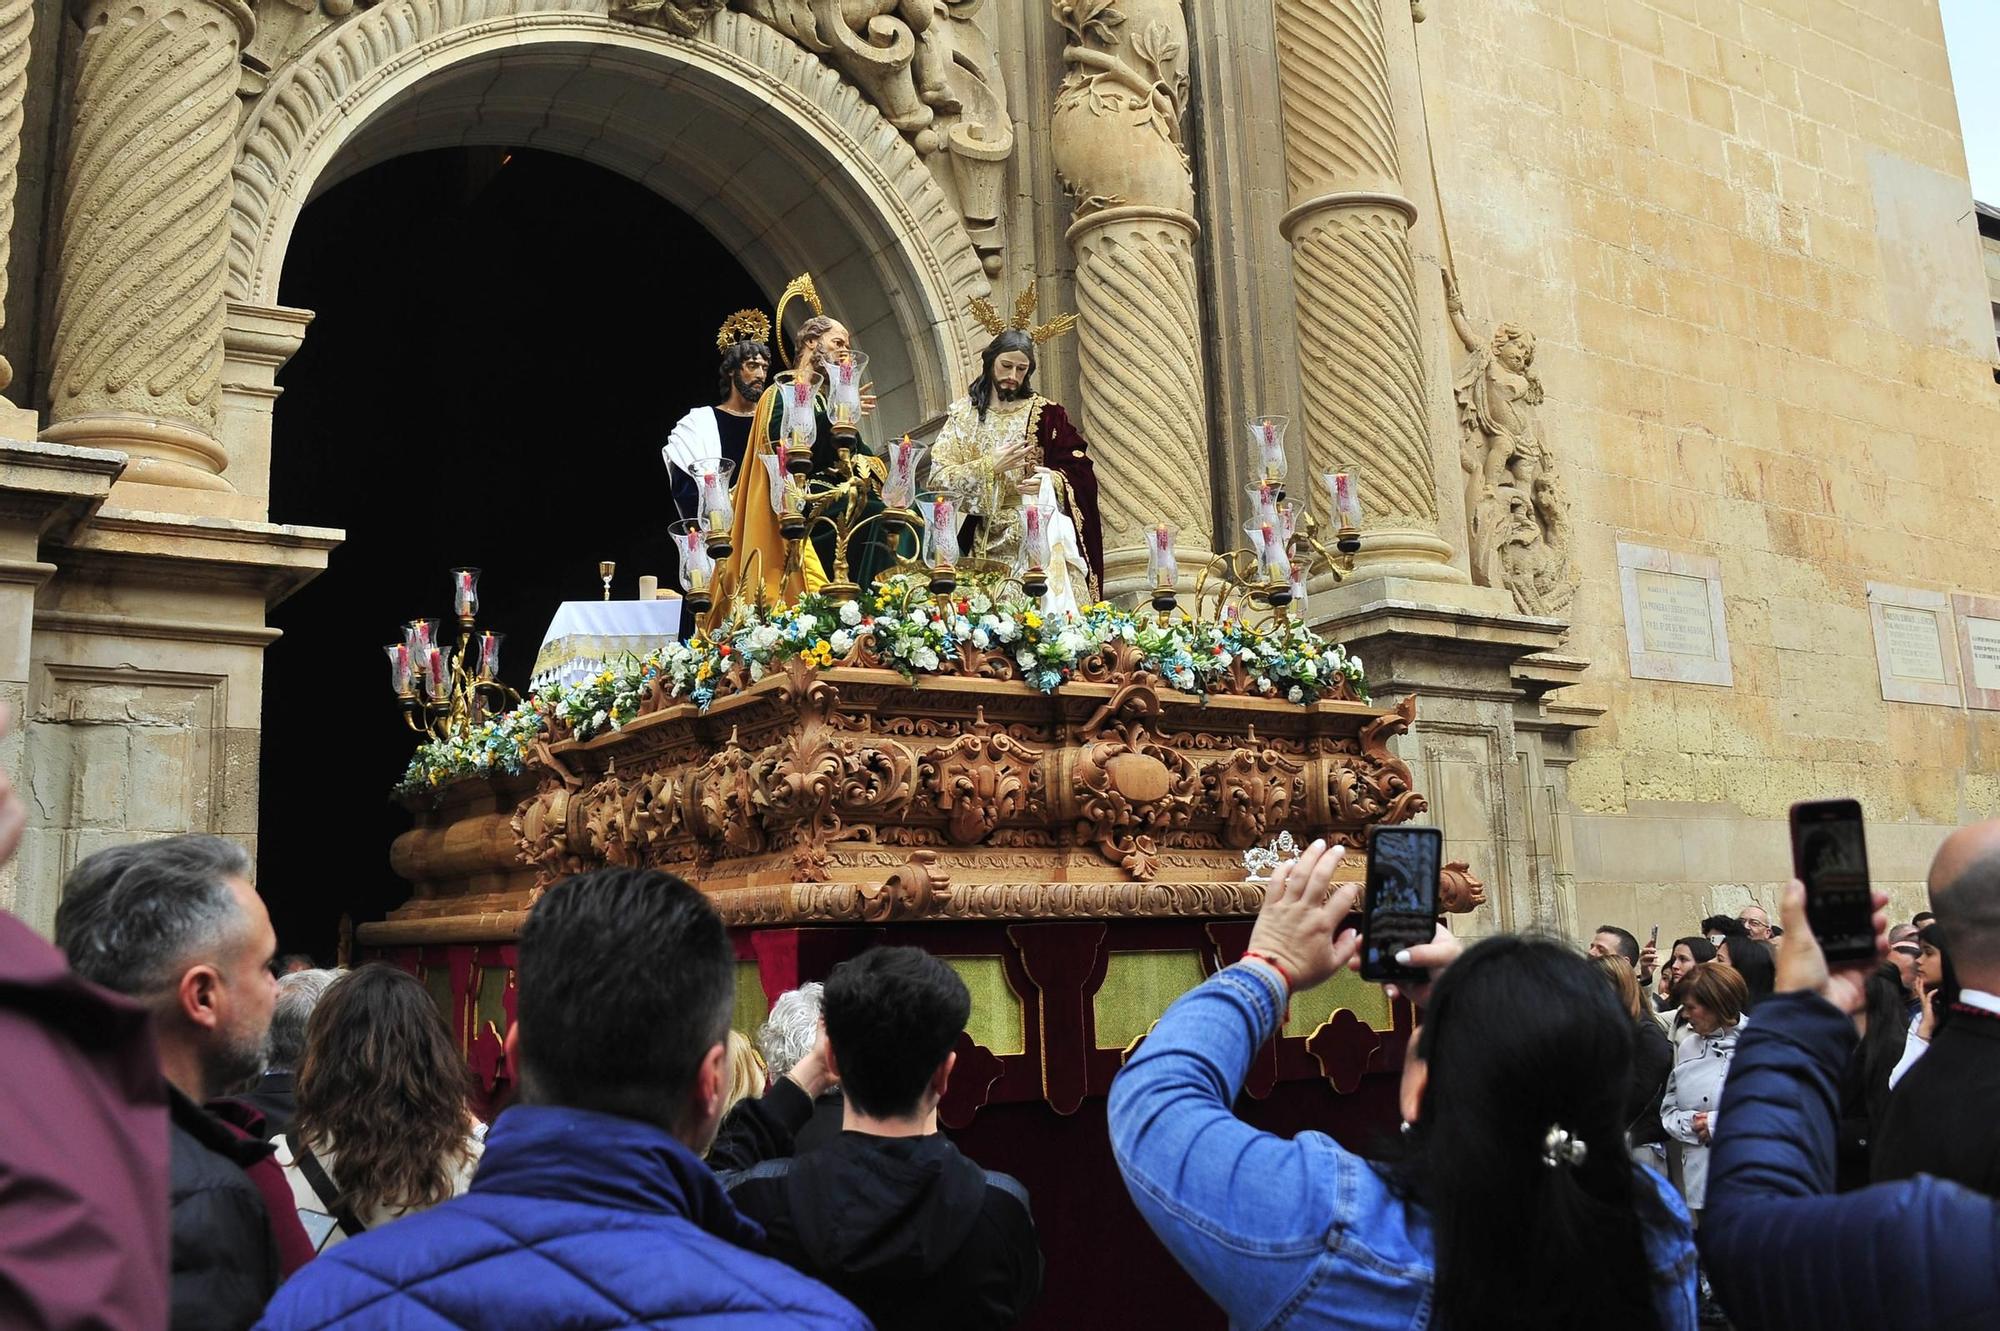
x=1516, y=506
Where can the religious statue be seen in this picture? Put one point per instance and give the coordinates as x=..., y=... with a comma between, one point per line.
x=1517, y=513
x=841, y=470
x=723, y=430
x=1003, y=441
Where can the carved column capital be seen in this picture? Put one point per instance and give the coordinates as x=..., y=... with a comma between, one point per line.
x=144, y=235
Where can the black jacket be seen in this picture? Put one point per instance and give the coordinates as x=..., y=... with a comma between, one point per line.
x=1652, y=1061
x=224, y=1259
x=1940, y=1118
x=275, y=1098
x=912, y=1231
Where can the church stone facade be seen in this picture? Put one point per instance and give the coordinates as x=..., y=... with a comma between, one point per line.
x=1617, y=305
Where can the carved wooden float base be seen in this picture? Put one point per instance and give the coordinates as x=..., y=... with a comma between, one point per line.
x=853, y=795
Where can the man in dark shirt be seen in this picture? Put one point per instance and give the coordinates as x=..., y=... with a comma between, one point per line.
x=889, y=1214
x=1940, y=1118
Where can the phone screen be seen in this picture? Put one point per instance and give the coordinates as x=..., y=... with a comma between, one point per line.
x=1830, y=857
x=1399, y=909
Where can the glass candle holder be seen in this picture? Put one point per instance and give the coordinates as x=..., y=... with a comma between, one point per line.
x=1345, y=490
x=800, y=422
x=786, y=491
x=401, y=671
x=1162, y=568
x=438, y=667
x=904, y=459
x=941, y=552
x=465, y=592
x=1265, y=500
x=697, y=565
x=844, y=378
x=1267, y=437
x=1034, y=547
x=713, y=477
x=419, y=637
x=488, y=669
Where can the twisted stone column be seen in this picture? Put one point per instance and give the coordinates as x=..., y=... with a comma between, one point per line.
x=17, y=20
x=145, y=231
x=1361, y=345
x=1118, y=146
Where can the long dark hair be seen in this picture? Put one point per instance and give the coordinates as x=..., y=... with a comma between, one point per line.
x=1013, y=339
x=1756, y=963
x=1888, y=1030
x=1521, y=1037
x=1932, y=935
x=384, y=1086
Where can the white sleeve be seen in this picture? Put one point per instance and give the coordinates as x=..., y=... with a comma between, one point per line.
x=693, y=439
x=1913, y=1049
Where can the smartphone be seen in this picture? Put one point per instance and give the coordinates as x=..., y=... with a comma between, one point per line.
x=1830, y=857
x=1399, y=905
x=1654, y=937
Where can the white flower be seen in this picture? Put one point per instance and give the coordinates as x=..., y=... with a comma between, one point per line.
x=1354, y=664
x=981, y=639
x=807, y=625
x=756, y=671
x=850, y=613
x=924, y=659
x=979, y=602
x=764, y=637
x=1308, y=671
x=1024, y=658
x=1295, y=694
x=1072, y=643
x=842, y=641
x=599, y=717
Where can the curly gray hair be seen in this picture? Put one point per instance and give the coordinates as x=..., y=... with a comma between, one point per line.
x=298, y=994
x=792, y=1029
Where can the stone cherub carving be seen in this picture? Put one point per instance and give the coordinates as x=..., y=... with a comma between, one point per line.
x=1516, y=509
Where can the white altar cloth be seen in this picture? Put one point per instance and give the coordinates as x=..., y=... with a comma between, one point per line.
x=587, y=636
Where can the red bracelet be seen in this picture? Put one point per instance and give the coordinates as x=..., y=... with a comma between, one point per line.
x=1283, y=974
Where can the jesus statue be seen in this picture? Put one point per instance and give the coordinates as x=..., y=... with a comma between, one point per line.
x=1002, y=442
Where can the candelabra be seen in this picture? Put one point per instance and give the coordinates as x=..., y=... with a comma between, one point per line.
x=1285, y=550
x=445, y=692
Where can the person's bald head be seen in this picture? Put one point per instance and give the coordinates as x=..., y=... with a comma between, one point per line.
x=1965, y=890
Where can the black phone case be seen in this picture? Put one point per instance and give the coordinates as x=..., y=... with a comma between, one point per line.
x=1387, y=971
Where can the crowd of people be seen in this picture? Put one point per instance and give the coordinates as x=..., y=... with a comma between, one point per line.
x=1601, y=1138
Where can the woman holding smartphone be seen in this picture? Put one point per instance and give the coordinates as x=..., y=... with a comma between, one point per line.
x=1513, y=1106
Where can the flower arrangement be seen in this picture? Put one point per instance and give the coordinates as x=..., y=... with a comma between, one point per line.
x=900, y=624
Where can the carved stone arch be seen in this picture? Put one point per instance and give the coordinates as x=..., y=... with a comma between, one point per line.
x=323, y=116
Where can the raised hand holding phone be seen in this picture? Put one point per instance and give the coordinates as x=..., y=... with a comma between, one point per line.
x=1803, y=966
x=1399, y=905
x=1830, y=858
x=1303, y=907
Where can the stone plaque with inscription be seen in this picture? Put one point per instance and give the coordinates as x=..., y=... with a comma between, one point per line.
x=1674, y=624
x=1979, y=648
x=1914, y=649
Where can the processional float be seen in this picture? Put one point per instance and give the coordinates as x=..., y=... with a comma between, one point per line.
x=1061, y=806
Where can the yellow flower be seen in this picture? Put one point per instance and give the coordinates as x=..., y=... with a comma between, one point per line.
x=702, y=672
x=1032, y=619
x=823, y=647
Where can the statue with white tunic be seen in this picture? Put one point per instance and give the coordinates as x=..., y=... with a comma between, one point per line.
x=1002, y=444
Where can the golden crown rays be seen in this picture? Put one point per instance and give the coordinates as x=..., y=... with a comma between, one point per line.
x=743, y=326
x=1024, y=317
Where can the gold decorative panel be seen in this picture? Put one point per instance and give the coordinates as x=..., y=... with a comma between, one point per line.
x=999, y=1022
x=1138, y=987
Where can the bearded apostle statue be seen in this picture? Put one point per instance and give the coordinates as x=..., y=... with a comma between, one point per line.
x=1004, y=446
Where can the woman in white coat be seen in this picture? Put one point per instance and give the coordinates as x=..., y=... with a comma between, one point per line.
x=1712, y=1000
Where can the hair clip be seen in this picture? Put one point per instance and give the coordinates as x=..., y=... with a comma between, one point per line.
x=1559, y=1148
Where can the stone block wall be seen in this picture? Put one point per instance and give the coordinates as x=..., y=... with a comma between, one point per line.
x=1743, y=234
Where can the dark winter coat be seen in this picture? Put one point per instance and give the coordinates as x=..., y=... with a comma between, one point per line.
x=225, y=1257
x=1782, y=1250
x=574, y=1219
x=907, y=1227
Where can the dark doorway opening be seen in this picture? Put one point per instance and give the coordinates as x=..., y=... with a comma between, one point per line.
x=503, y=341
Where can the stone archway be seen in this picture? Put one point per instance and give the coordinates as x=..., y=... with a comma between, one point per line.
x=784, y=161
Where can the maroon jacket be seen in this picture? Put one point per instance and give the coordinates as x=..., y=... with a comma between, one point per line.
x=83, y=1149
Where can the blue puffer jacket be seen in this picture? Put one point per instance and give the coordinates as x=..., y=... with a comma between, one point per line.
x=575, y=1220
x=1921, y=1253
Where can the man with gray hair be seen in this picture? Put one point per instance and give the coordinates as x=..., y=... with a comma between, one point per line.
x=792, y=1029
x=274, y=1095
x=175, y=925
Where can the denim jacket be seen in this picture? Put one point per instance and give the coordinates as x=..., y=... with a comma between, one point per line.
x=1288, y=1232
